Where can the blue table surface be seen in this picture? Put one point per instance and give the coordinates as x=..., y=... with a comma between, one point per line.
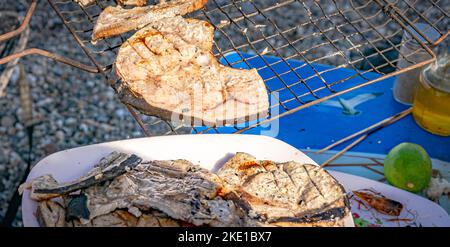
x=318, y=126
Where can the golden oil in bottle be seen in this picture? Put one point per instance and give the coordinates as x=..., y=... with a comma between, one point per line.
x=431, y=106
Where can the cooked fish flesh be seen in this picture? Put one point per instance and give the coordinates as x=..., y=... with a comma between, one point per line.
x=117, y=20
x=86, y=3
x=285, y=194
x=132, y=2
x=50, y=214
x=168, y=71
x=113, y=165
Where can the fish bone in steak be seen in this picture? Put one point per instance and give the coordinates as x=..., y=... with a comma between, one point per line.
x=285, y=194
x=168, y=70
x=116, y=20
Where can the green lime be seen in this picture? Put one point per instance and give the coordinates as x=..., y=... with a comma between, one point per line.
x=408, y=166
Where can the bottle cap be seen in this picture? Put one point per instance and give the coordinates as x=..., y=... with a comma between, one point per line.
x=428, y=31
x=437, y=74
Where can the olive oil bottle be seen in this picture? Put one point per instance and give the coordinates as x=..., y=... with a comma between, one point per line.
x=431, y=105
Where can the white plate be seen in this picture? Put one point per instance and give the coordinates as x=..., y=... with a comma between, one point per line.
x=209, y=151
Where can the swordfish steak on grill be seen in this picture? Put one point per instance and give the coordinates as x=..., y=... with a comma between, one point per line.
x=168, y=70
x=285, y=194
x=116, y=20
x=86, y=3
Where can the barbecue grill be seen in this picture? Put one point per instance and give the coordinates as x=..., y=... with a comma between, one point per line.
x=350, y=30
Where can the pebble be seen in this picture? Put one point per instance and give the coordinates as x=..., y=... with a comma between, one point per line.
x=83, y=127
x=60, y=135
x=7, y=121
x=14, y=159
x=11, y=131
x=49, y=148
x=121, y=113
x=70, y=121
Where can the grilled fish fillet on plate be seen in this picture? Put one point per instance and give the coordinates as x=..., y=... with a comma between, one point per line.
x=285, y=194
x=169, y=70
x=117, y=20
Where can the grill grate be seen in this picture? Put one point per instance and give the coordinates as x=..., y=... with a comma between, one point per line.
x=364, y=36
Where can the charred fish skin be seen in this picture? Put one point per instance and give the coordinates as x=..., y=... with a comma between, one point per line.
x=106, y=174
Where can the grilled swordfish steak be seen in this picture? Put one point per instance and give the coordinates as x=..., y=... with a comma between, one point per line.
x=86, y=3
x=168, y=70
x=116, y=20
x=285, y=194
x=178, y=190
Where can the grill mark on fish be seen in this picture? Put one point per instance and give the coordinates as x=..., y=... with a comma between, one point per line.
x=297, y=187
x=312, y=181
x=273, y=175
x=250, y=178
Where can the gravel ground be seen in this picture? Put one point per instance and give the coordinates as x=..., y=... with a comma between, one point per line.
x=73, y=108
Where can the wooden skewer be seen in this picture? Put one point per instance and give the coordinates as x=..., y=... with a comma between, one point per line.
x=383, y=122
x=343, y=150
x=354, y=164
x=370, y=130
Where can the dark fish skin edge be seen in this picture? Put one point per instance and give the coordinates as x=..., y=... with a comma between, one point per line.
x=130, y=162
x=77, y=208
